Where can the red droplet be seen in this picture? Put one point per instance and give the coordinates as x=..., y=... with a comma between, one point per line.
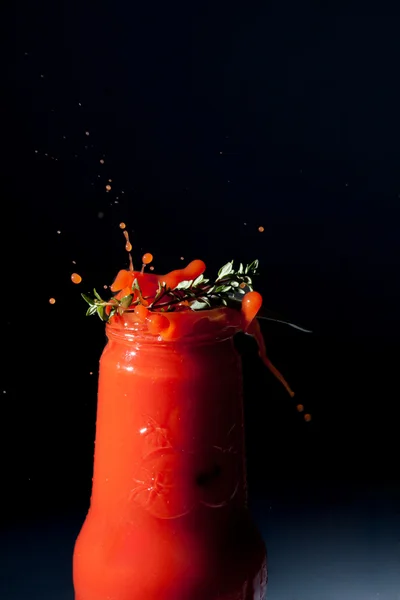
x=251, y=304
x=141, y=312
x=157, y=323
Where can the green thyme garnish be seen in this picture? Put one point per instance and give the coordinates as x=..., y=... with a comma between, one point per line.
x=197, y=294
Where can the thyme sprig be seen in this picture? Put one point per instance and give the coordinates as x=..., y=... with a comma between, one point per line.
x=197, y=294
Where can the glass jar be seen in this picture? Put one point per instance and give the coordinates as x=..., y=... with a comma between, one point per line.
x=168, y=518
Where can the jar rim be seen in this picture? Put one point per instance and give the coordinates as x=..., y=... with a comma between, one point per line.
x=183, y=326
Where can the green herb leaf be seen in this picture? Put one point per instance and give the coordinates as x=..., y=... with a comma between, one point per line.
x=101, y=311
x=88, y=299
x=198, y=280
x=97, y=296
x=183, y=285
x=126, y=301
x=198, y=305
x=225, y=270
x=135, y=285
x=252, y=267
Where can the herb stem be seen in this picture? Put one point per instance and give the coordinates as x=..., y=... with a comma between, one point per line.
x=195, y=293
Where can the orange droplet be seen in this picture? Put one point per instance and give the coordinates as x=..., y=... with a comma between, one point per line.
x=128, y=246
x=91, y=373
x=152, y=268
x=251, y=304
x=102, y=161
x=307, y=417
x=122, y=280
x=147, y=258
x=52, y=300
x=242, y=285
x=261, y=229
x=157, y=323
x=122, y=225
x=300, y=407
x=141, y=312
x=110, y=180
x=108, y=187
x=75, y=278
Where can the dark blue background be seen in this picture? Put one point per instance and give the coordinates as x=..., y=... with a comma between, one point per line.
x=212, y=121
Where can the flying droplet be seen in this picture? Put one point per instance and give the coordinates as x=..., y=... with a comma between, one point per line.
x=122, y=225
x=76, y=278
x=58, y=231
x=87, y=133
x=128, y=246
x=108, y=188
x=100, y=215
x=74, y=262
x=52, y=300
x=261, y=229
x=307, y=418
x=151, y=268
x=147, y=258
x=300, y=407
x=182, y=258
x=102, y=161
x=110, y=180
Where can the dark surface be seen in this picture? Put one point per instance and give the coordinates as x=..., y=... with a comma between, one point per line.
x=211, y=123
x=318, y=549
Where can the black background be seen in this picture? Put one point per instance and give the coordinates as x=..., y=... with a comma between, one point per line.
x=212, y=121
